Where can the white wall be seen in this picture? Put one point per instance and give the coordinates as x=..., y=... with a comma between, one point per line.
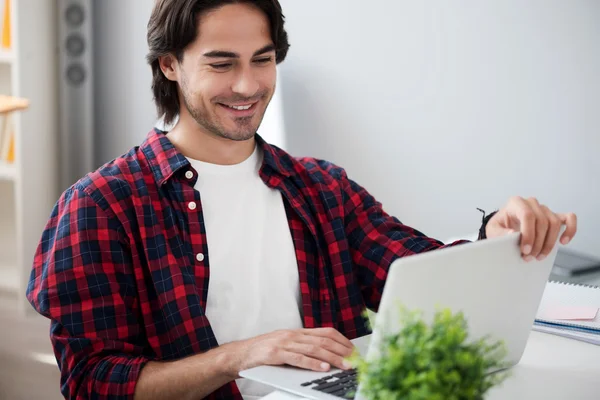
x=440, y=107
x=124, y=109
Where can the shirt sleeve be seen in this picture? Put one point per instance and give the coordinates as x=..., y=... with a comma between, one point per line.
x=82, y=280
x=376, y=239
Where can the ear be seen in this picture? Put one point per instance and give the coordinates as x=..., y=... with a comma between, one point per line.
x=169, y=67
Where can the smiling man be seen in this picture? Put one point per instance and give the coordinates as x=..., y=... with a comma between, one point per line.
x=205, y=250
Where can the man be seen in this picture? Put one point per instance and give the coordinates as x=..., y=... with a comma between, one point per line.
x=206, y=251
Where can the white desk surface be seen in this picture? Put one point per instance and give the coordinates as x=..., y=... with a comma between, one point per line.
x=552, y=368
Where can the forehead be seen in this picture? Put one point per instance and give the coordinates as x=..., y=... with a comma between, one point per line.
x=233, y=27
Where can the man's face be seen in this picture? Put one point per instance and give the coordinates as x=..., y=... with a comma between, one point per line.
x=227, y=76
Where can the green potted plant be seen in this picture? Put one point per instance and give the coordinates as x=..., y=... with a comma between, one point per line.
x=435, y=361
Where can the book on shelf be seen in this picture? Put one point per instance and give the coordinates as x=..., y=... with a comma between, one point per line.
x=6, y=26
x=6, y=140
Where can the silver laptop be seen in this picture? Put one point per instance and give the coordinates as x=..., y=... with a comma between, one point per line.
x=498, y=292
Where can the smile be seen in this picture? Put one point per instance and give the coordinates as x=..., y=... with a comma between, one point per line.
x=240, y=109
x=247, y=107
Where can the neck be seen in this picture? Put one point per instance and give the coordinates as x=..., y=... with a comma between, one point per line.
x=194, y=142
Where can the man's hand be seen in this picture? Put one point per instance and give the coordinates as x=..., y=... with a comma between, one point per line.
x=315, y=349
x=538, y=225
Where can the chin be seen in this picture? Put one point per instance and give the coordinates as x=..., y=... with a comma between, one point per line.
x=243, y=138
x=238, y=136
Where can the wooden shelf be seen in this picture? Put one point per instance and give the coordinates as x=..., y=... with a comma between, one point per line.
x=6, y=56
x=8, y=172
x=10, y=104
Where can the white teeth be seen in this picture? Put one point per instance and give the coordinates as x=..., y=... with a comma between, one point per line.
x=241, y=108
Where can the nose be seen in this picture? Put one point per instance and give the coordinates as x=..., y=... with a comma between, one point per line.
x=245, y=84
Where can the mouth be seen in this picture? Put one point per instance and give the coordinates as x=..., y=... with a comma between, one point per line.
x=240, y=110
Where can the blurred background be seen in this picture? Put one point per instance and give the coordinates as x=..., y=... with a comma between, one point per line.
x=435, y=107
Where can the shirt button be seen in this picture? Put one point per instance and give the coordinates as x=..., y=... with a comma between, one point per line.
x=200, y=257
x=192, y=205
x=189, y=174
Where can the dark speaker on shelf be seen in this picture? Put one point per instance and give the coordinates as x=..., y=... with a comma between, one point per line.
x=76, y=85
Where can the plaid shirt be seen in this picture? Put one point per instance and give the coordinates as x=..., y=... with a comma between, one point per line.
x=117, y=272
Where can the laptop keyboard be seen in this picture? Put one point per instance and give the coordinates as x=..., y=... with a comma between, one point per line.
x=342, y=384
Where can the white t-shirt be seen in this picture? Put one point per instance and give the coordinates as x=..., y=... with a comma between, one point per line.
x=253, y=284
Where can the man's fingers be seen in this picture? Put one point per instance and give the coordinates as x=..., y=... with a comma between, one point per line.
x=537, y=225
x=317, y=352
x=327, y=344
x=554, y=225
x=330, y=333
x=570, y=220
x=541, y=228
x=522, y=210
x=305, y=362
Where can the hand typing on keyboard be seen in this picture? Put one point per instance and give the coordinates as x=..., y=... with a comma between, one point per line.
x=315, y=349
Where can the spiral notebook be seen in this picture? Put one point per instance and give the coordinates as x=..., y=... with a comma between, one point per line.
x=584, y=303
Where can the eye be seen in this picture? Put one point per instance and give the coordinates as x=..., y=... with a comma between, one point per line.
x=265, y=60
x=221, y=66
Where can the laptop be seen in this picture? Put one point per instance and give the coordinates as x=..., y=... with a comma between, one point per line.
x=498, y=292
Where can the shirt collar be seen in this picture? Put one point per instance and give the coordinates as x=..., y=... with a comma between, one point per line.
x=165, y=160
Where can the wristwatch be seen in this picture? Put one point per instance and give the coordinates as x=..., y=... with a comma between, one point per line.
x=484, y=222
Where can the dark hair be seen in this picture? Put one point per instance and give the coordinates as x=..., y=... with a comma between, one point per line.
x=173, y=26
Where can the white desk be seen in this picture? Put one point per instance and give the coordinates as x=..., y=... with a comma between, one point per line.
x=552, y=368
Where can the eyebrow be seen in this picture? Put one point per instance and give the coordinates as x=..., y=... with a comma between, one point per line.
x=228, y=54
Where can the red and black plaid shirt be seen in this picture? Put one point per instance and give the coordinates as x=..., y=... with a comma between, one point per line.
x=117, y=272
